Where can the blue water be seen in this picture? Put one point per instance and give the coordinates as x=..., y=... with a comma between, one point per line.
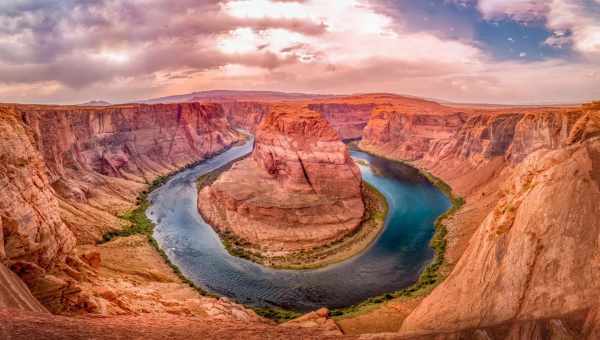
x=391, y=263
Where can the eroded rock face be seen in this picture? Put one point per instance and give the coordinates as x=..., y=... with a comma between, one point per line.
x=349, y=120
x=98, y=159
x=299, y=190
x=14, y=294
x=535, y=256
x=474, y=136
x=523, y=270
x=66, y=172
x=128, y=140
x=34, y=237
x=246, y=115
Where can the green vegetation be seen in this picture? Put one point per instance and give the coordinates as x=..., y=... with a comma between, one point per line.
x=429, y=278
x=376, y=209
x=140, y=224
x=277, y=314
x=431, y=275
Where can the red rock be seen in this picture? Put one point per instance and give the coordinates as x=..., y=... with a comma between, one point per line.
x=300, y=189
x=92, y=258
x=66, y=172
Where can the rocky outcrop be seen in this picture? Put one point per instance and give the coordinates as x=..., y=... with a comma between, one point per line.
x=98, y=159
x=299, y=189
x=530, y=264
x=246, y=115
x=66, y=172
x=472, y=135
x=34, y=240
x=535, y=255
x=14, y=294
x=318, y=319
x=348, y=119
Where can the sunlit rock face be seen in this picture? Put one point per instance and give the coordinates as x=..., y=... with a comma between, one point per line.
x=246, y=115
x=348, y=119
x=98, y=159
x=33, y=237
x=535, y=256
x=66, y=172
x=298, y=190
x=531, y=265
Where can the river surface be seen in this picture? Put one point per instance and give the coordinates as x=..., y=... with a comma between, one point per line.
x=391, y=263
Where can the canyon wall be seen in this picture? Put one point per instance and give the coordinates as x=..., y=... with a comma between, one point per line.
x=530, y=268
x=66, y=172
x=349, y=120
x=346, y=118
x=299, y=189
x=246, y=115
x=98, y=159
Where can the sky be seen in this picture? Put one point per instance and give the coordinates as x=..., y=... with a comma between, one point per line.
x=492, y=51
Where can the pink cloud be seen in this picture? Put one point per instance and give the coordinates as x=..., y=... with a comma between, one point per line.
x=119, y=51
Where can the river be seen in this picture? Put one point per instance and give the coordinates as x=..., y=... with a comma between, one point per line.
x=391, y=263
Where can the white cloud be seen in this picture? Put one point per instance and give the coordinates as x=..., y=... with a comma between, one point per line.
x=577, y=17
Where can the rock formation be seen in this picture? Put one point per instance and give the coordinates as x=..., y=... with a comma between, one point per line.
x=532, y=262
x=98, y=159
x=66, y=172
x=535, y=255
x=299, y=189
x=522, y=255
x=348, y=119
x=14, y=294
x=246, y=115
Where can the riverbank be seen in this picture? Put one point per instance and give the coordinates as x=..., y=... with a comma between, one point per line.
x=433, y=272
x=376, y=209
x=270, y=312
x=138, y=224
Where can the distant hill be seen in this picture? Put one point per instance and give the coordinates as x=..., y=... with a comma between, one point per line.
x=96, y=103
x=227, y=95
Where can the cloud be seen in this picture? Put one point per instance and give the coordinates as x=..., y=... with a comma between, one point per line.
x=79, y=42
x=76, y=50
x=573, y=23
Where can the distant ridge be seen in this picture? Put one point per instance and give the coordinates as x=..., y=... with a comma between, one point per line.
x=228, y=95
x=96, y=103
x=278, y=96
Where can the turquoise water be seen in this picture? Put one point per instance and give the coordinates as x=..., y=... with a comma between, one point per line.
x=391, y=263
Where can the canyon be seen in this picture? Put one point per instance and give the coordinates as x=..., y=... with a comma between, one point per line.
x=521, y=258
x=299, y=190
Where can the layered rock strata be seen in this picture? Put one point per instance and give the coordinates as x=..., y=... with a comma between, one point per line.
x=348, y=119
x=246, y=115
x=529, y=269
x=299, y=189
x=66, y=173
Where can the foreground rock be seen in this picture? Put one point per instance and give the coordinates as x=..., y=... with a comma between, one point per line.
x=299, y=190
x=530, y=180
x=535, y=256
x=66, y=172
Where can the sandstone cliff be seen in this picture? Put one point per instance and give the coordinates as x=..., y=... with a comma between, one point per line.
x=246, y=115
x=535, y=256
x=299, y=189
x=66, y=172
x=98, y=159
x=14, y=294
x=348, y=119
x=531, y=264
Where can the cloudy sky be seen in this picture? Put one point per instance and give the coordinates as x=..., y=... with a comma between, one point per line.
x=501, y=51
